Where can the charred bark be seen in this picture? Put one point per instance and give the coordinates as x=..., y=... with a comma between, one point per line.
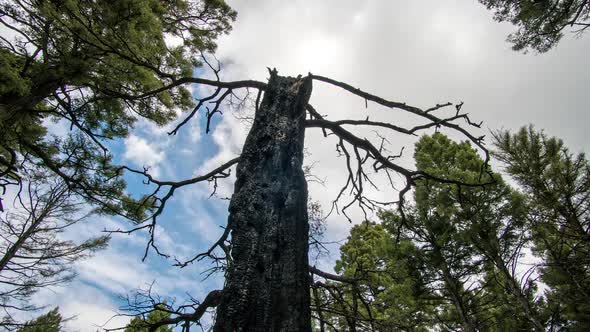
x=267, y=282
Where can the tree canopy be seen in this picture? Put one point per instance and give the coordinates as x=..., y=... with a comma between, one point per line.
x=96, y=67
x=444, y=263
x=49, y=322
x=557, y=184
x=141, y=324
x=540, y=24
x=484, y=258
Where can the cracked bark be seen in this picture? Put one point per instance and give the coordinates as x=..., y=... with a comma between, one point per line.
x=267, y=283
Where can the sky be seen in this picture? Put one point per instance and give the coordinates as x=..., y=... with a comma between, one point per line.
x=418, y=52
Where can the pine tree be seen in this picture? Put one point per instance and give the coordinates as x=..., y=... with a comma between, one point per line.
x=141, y=324
x=49, y=322
x=490, y=219
x=97, y=66
x=450, y=258
x=557, y=184
x=390, y=290
x=540, y=23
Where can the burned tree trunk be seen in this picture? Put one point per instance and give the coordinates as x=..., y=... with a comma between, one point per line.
x=267, y=282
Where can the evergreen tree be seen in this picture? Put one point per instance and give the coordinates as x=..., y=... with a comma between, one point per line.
x=557, y=184
x=390, y=287
x=490, y=220
x=540, y=23
x=451, y=258
x=97, y=66
x=49, y=322
x=141, y=324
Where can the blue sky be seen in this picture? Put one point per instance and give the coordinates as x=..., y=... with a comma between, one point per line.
x=421, y=53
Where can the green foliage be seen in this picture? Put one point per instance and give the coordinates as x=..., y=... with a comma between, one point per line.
x=49, y=322
x=391, y=283
x=447, y=264
x=557, y=184
x=540, y=23
x=96, y=67
x=140, y=324
x=435, y=223
x=454, y=257
x=10, y=81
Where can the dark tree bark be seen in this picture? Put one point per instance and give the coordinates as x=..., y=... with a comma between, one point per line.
x=267, y=281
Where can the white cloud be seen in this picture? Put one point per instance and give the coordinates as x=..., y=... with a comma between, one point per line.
x=116, y=272
x=141, y=153
x=168, y=243
x=195, y=131
x=91, y=317
x=421, y=53
x=59, y=129
x=202, y=219
x=119, y=268
x=88, y=308
x=229, y=137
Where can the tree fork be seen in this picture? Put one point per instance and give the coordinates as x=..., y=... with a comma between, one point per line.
x=267, y=282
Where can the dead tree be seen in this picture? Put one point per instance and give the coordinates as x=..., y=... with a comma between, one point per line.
x=267, y=283
x=264, y=249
